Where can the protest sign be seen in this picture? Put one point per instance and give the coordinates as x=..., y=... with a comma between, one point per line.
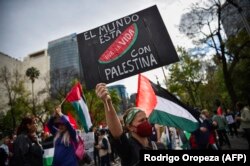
x=130, y=45
x=89, y=141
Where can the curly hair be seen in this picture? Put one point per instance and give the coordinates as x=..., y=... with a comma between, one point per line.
x=23, y=126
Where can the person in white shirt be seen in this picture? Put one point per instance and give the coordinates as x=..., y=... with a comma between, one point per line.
x=245, y=120
x=5, y=147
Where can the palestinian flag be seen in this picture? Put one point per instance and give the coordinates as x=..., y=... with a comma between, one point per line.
x=75, y=97
x=48, y=155
x=72, y=121
x=164, y=108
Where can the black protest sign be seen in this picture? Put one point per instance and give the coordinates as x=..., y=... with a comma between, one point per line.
x=125, y=47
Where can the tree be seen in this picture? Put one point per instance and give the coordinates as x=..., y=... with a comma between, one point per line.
x=186, y=78
x=213, y=87
x=203, y=25
x=33, y=74
x=61, y=82
x=13, y=87
x=96, y=106
x=239, y=45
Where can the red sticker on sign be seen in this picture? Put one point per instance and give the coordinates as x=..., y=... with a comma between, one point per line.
x=121, y=45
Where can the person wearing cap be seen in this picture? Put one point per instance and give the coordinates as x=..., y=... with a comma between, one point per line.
x=64, y=137
x=136, y=124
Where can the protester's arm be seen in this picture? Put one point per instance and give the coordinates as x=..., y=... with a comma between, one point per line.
x=51, y=126
x=112, y=119
x=72, y=131
x=63, y=119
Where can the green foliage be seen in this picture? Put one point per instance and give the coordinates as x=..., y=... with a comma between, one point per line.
x=239, y=45
x=214, y=88
x=96, y=106
x=33, y=73
x=17, y=111
x=16, y=97
x=203, y=25
x=196, y=84
x=185, y=78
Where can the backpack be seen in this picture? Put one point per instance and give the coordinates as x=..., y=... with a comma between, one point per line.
x=79, y=148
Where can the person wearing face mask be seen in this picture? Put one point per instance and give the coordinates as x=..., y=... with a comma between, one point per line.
x=64, y=138
x=136, y=124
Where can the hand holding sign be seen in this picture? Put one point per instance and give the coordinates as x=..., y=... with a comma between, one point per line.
x=122, y=48
x=58, y=111
x=103, y=93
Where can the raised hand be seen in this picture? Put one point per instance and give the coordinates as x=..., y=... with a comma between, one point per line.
x=58, y=111
x=102, y=92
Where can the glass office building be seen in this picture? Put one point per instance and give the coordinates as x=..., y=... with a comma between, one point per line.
x=122, y=93
x=64, y=62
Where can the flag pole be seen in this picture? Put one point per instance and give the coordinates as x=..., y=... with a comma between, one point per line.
x=164, y=75
x=62, y=102
x=106, y=102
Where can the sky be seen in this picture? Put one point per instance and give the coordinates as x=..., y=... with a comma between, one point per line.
x=27, y=26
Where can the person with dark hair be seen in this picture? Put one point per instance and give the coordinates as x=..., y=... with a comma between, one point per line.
x=201, y=135
x=96, y=153
x=245, y=120
x=137, y=125
x=156, y=133
x=104, y=148
x=220, y=123
x=64, y=139
x=26, y=150
x=230, y=117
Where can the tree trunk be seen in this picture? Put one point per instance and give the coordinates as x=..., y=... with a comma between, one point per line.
x=226, y=73
x=33, y=100
x=192, y=96
x=13, y=119
x=228, y=82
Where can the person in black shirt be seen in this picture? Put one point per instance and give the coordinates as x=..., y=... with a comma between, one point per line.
x=96, y=153
x=27, y=151
x=104, y=148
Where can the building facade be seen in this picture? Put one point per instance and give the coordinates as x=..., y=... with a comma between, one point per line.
x=41, y=61
x=10, y=65
x=64, y=62
x=233, y=15
x=122, y=93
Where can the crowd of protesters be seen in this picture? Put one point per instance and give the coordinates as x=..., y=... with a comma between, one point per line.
x=123, y=138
